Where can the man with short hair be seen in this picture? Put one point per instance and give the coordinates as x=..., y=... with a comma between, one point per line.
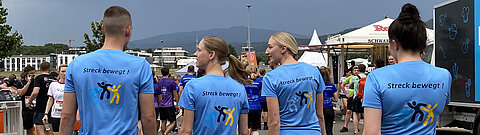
x=190, y=75
x=39, y=93
x=108, y=85
x=166, y=94
x=357, y=108
x=24, y=90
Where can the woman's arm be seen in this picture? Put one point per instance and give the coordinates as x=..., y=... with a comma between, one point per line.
x=319, y=111
x=373, y=120
x=187, y=122
x=273, y=116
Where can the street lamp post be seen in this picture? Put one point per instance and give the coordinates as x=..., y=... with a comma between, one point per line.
x=161, y=54
x=248, y=27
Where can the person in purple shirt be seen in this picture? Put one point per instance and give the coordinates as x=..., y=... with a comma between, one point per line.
x=165, y=94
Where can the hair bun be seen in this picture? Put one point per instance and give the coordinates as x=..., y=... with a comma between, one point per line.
x=409, y=14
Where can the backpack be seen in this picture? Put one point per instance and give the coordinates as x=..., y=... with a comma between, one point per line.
x=361, y=85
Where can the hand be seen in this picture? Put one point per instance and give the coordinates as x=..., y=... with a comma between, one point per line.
x=77, y=120
x=361, y=100
x=45, y=119
x=348, y=95
x=29, y=78
x=30, y=105
x=178, y=108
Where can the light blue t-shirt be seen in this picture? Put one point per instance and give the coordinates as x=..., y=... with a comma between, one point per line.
x=296, y=87
x=217, y=101
x=107, y=84
x=330, y=89
x=411, y=96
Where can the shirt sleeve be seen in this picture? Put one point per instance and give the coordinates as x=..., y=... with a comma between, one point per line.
x=321, y=83
x=268, y=89
x=69, y=85
x=245, y=106
x=51, y=89
x=146, y=79
x=187, y=99
x=37, y=82
x=334, y=88
x=181, y=81
x=372, y=95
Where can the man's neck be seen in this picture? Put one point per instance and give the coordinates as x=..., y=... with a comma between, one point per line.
x=164, y=76
x=46, y=72
x=114, y=43
x=190, y=73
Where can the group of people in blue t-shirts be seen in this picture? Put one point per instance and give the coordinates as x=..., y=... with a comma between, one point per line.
x=298, y=96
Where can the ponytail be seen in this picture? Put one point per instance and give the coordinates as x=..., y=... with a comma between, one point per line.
x=236, y=71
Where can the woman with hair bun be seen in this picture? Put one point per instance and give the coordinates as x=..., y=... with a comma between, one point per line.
x=216, y=104
x=408, y=97
x=294, y=91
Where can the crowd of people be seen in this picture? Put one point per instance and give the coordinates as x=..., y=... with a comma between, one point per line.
x=292, y=98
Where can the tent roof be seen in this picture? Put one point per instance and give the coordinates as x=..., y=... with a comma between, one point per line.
x=314, y=58
x=373, y=33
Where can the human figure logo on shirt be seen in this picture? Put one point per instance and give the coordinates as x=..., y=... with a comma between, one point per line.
x=105, y=88
x=304, y=95
x=222, y=111
x=418, y=110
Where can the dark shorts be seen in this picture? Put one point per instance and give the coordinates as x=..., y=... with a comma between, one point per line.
x=37, y=118
x=343, y=96
x=55, y=123
x=167, y=113
x=357, y=105
x=254, y=117
x=350, y=103
x=27, y=116
x=157, y=113
x=264, y=106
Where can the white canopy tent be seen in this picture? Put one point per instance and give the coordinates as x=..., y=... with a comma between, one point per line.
x=314, y=58
x=183, y=70
x=375, y=33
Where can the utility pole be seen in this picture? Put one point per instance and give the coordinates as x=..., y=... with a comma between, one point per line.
x=248, y=27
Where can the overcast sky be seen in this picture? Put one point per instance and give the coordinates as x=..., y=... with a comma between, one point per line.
x=44, y=21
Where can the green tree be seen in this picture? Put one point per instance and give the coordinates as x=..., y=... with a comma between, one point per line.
x=97, y=38
x=136, y=49
x=8, y=43
x=149, y=50
x=261, y=57
x=232, y=50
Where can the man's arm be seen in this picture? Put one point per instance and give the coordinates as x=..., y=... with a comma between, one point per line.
x=175, y=95
x=187, y=122
x=273, y=116
x=69, y=111
x=22, y=91
x=33, y=95
x=47, y=109
x=243, y=124
x=373, y=120
x=319, y=111
x=180, y=90
x=342, y=88
x=147, y=113
x=3, y=86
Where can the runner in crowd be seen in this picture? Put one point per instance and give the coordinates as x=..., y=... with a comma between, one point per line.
x=357, y=108
x=24, y=90
x=408, y=97
x=348, y=90
x=217, y=102
x=108, y=84
x=263, y=100
x=328, y=111
x=253, y=94
x=293, y=90
x=39, y=93
x=342, y=94
x=190, y=75
x=55, y=101
x=166, y=95
x=391, y=60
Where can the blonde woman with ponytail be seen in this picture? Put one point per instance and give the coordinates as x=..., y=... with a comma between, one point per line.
x=216, y=103
x=294, y=90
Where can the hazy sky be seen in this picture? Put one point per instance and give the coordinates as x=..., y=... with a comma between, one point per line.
x=44, y=21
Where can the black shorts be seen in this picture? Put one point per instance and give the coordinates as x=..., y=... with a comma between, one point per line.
x=27, y=116
x=55, y=123
x=167, y=113
x=357, y=105
x=254, y=117
x=350, y=103
x=264, y=106
x=157, y=113
x=343, y=96
x=38, y=118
